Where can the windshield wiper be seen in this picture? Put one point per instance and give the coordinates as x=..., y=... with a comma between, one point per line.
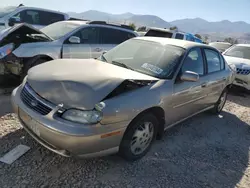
x=122, y=65
x=103, y=58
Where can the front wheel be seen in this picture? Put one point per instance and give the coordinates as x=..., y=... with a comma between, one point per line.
x=220, y=103
x=139, y=137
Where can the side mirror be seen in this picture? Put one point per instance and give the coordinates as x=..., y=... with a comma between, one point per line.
x=189, y=76
x=14, y=20
x=104, y=52
x=74, y=40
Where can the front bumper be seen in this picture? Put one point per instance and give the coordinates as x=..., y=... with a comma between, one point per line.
x=242, y=81
x=67, y=139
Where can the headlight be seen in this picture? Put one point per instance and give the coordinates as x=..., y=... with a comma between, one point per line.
x=80, y=116
x=6, y=50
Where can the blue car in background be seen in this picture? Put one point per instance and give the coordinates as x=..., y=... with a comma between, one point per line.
x=193, y=38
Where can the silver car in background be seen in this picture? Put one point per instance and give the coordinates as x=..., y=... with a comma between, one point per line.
x=221, y=46
x=122, y=101
x=23, y=47
x=37, y=17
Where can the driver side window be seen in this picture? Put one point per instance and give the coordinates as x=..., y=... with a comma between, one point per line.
x=89, y=35
x=194, y=62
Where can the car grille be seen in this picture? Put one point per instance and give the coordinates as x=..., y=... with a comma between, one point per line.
x=28, y=97
x=243, y=71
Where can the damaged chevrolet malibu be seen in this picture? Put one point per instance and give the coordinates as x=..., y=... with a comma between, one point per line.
x=122, y=101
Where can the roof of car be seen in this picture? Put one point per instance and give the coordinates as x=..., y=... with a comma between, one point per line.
x=42, y=9
x=220, y=43
x=76, y=22
x=244, y=45
x=176, y=42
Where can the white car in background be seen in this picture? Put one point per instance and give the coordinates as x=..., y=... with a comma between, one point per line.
x=37, y=17
x=238, y=57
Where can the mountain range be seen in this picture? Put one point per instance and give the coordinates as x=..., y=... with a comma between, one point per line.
x=220, y=29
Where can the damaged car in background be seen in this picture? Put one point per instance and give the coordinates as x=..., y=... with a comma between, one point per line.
x=124, y=99
x=23, y=46
x=238, y=57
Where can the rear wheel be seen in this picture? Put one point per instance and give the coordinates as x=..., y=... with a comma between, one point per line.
x=220, y=103
x=139, y=137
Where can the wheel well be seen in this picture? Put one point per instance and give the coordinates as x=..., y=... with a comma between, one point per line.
x=45, y=57
x=159, y=113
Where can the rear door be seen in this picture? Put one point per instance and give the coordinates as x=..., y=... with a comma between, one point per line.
x=216, y=75
x=89, y=36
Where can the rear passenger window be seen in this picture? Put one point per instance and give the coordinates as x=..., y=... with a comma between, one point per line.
x=114, y=36
x=194, y=62
x=37, y=17
x=213, y=60
x=48, y=18
x=179, y=36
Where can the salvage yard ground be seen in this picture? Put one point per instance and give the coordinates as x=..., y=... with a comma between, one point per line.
x=205, y=151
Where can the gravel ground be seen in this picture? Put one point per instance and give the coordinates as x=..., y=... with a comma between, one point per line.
x=205, y=151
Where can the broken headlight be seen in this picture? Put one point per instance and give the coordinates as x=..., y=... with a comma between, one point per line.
x=6, y=50
x=80, y=116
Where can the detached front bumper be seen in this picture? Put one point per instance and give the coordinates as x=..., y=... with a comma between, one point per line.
x=66, y=138
x=242, y=81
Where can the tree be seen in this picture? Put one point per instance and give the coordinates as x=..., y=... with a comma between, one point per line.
x=173, y=28
x=231, y=40
x=143, y=28
x=132, y=25
x=198, y=36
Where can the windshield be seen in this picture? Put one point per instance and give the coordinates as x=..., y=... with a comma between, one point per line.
x=146, y=57
x=59, y=29
x=239, y=51
x=6, y=10
x=220, y=46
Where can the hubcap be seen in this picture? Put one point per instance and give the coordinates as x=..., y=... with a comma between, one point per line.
x=142, y=138
x=222, y=101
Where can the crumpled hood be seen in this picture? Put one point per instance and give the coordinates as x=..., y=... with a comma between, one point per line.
x=238, y=62
x=79, y=83
x=16, y=34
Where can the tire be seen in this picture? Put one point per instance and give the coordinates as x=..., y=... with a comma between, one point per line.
x=221, y=102
x=137, y=141
x=30, y=64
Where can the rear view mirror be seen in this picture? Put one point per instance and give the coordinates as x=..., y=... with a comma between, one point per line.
x=13, y=21
x=74, y=40
x=190, y=76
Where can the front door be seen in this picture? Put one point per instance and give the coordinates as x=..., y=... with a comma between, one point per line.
x=189, y=97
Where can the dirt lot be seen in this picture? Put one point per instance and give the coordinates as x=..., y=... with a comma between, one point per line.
x=205, y=151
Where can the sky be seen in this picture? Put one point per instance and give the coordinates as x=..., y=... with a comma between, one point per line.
x=169, y=10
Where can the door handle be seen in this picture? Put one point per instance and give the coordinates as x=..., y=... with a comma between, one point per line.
x=98, y=49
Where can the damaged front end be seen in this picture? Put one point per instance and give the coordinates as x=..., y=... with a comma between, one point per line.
x=10, y=40
x=11, y=65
